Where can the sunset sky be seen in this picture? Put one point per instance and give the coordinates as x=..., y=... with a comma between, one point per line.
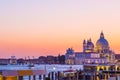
x=49, y=27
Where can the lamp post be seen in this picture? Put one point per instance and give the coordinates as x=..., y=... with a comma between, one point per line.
x=54, y=68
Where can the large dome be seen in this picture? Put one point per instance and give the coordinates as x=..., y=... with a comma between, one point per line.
x=102, y=42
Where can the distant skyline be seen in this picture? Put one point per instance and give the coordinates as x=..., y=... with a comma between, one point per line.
x=49, y=27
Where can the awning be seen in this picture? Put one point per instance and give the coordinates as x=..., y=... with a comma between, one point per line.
x=24, y=72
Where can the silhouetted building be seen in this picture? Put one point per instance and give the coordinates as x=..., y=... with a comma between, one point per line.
x=42, y=60
x=4, y=61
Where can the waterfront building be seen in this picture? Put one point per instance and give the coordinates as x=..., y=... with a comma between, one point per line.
x=99, y=54
x=13, y=60
x=117, y=58
x=4, y=61
x=70, y=56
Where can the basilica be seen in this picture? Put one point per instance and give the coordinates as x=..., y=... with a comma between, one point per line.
x=91, y=54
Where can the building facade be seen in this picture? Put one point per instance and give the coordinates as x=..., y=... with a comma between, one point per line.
x=99, y=54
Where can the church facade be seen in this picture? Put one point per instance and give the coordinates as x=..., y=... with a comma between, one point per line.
x=99, y=54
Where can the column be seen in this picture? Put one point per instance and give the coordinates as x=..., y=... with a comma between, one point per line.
x=39, y=77
x=52, y=77
x=20, y=77
x=58, y=75
x=34, y=77
x=49, y=75
x=44, y=77
x=29, y=77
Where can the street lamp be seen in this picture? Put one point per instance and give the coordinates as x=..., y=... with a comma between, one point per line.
x=54, y=68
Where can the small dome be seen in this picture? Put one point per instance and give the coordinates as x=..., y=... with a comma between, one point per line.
x=102, y=42
x=90, y=44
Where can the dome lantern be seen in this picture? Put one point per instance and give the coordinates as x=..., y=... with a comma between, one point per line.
x=102, y=35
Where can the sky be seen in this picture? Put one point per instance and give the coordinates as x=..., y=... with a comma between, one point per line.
x=48, y=27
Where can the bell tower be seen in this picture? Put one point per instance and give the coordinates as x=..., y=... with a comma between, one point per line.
x=84, y=45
